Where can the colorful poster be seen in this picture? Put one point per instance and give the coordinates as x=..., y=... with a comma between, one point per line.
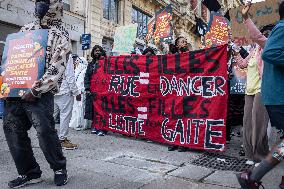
x=218, y=30
x=177, y=99
x=150, y=30
x=262, y=14
x=124, y=39
x=163, y=27
x=239, y=80
x=23, y=62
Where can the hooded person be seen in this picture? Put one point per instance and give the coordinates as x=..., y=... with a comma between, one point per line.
x=96, y=54
x=35, y=108
x=77, y=121
x=64, y=101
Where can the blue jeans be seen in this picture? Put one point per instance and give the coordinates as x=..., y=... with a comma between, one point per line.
x=19, y=117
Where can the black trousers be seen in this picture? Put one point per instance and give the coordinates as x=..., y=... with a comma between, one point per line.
x=19, y=117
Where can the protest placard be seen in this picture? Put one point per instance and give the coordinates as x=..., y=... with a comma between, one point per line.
x=23, y=62
x=178, y=99
x=262, y=14
x=239, y=81
x=150, y=30
x=124, y=39
x=218, y=30
x=163, y=28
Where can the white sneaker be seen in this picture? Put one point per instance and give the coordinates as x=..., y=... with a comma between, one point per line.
x=249, y=162
x=79, y=128
x=256, y=165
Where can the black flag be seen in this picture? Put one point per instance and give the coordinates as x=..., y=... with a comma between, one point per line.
x=212, y=5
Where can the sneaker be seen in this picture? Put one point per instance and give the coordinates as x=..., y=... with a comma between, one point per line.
x=172, y=148
x=242, y=152
x=60, y=177
x=246, y=183
x=182, y=149
x=67, y=145
x=281, y=186
x=250, y=162
x=94, y=131
x=101, y=133
x=24, y=180
x=256, y=165
x=79, y=128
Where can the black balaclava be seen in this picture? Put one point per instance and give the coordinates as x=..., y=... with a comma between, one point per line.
x=41, y=8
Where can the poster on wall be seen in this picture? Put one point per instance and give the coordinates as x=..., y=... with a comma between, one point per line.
x=23, y=62
x=218, y=30
x=124, y=39
x=176, y=99
x=163, y=27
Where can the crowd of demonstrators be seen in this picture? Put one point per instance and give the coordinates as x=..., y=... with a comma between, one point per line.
x=255, y=122
x=96, y=54
x=65, y=86
x=272, y=97
x=77, y=121
x=35, y=108
x=64, y=101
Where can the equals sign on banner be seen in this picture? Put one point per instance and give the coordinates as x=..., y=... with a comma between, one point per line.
x=144, y=78
x=142, y=112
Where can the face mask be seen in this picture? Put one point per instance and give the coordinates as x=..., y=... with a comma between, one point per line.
x=183, y=49
x=41, y=9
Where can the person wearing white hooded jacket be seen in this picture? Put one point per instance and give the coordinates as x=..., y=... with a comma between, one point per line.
x=77, y=121
x=64, y=101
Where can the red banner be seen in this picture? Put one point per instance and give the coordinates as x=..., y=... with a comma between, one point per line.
x=179, y=99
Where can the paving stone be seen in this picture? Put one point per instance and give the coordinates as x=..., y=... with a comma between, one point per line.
x=141, y=163
x=170, y=183
x=223, y=178
x=191, y=172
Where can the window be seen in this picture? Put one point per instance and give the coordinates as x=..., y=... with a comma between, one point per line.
x=110, y=10
x=66, y=5
x=107, y=45
x=141, y=19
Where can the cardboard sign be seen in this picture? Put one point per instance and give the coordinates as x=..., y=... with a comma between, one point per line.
x=262, y=14
x=124, y=39
x=23, y=62
x=218, y=30
x=163, y=28
x=178, y=99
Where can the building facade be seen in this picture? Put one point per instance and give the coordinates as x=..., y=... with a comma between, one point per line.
x=103, y=16
x=16, y=13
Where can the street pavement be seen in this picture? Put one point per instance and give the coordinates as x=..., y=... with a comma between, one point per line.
x=117, y=162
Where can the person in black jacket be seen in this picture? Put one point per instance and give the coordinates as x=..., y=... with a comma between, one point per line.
x=96, y=54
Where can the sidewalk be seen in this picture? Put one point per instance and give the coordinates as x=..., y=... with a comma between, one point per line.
x=116, y=162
